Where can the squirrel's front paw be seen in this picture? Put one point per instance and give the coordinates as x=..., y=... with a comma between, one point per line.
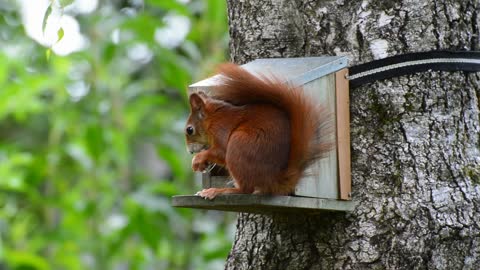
x=199, y=164
x=209, y=193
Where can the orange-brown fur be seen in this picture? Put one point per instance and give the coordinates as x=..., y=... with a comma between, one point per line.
x=263, y=131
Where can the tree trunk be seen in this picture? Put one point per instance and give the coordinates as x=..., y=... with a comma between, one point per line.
x=415, y=139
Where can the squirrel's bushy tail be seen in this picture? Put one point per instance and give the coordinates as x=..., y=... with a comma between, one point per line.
x=310, y=125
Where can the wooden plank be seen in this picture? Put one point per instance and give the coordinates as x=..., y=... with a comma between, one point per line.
x=206, y=180
x=320, y=179
x=343, y=135
x=215, y=181
x=250, y=203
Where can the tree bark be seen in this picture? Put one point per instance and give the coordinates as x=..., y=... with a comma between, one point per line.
x=415, y=139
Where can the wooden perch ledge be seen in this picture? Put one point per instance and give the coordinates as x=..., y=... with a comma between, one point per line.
x=250, y=203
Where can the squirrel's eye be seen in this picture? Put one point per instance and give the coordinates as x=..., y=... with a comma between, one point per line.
x=190, y=130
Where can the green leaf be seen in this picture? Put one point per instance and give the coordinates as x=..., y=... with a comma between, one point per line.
x=48, y=52
x=216, y=17
x=48, y=12
x=170, y=5
x=109, y=52
x=60, y=34
x=95, y=141
x=174, y=160
x=64, y=3
x=4, y=68
x=166, y=188
x=26, y=260
x=143, y=26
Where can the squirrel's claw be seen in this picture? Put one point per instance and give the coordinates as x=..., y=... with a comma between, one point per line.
x=209, y=193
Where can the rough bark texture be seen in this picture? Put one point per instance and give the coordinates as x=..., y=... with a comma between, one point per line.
x=415, y=139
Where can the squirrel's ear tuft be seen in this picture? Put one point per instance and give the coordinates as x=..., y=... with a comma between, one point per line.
x=197, y=103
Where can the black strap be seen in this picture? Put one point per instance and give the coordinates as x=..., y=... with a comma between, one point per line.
x=413, y=63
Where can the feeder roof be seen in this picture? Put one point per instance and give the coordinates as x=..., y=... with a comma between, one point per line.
x=298, y=71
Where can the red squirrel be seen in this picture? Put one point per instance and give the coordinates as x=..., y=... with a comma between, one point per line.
x=263, y=131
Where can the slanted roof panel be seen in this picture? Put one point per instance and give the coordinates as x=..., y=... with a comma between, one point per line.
x=294, y=70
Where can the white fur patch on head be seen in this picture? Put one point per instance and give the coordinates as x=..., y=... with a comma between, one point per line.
x=195, y=147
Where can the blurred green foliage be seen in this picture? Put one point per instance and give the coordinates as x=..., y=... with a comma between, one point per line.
x=92, y=146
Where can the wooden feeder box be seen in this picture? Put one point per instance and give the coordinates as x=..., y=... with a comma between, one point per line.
x=327, y=186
